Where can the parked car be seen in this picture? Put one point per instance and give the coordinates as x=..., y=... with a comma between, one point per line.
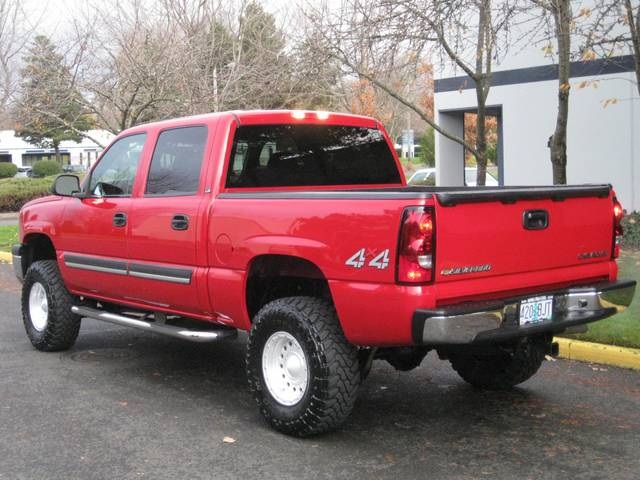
x=470, y=178
x=427, y=177
x=297, y=227
x=74, y=169
x=23, y=172
x=424, y=177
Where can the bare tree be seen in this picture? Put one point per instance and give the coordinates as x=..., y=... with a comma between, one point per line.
x=633, y=22
x=557, y=22
x=139, y=61
x=15, y=33
x=614, y=29
x=373, y=41
x=126, y=63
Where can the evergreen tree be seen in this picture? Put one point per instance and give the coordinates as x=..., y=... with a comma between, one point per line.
x=49, y=109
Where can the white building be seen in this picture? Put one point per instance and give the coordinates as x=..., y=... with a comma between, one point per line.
x=603, y=140
x=14, y=149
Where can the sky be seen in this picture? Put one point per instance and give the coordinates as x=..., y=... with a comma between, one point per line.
x=55, y=15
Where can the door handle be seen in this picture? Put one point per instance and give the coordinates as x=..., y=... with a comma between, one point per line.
x=180, y=222
x=120, y=220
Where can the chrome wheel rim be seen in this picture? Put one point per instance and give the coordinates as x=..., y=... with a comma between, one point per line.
x=284, y=367
x=38, y=306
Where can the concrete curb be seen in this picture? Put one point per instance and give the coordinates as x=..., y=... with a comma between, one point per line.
x=6, y=257
x=599, y=353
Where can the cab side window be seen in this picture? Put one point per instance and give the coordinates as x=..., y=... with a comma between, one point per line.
x=177, y=162
x=113, y=176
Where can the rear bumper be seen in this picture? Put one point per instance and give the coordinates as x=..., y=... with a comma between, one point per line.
x=497, y=321
x=16, y=252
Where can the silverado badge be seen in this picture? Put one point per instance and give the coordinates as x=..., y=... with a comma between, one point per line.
x=466, y=269
x=587, y=255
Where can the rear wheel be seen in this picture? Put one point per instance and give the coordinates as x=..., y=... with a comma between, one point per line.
x=46, y=308
x=302, y=371
x=502, y=371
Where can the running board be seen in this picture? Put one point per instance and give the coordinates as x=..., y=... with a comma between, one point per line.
x=200, y=336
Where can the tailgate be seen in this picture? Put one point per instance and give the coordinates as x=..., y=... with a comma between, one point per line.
x=485, y=234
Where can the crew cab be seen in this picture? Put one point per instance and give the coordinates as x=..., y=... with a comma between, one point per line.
x=299, y=227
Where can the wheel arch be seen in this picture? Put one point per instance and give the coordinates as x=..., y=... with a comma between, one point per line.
x=36, y=246
x=273, y=276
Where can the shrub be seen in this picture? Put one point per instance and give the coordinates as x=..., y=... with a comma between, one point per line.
x=428, y=148
x=44, y=168
x=631, y=227
x=15, y=192
x=7, y=170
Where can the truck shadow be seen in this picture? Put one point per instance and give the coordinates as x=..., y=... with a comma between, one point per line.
x=431, y=399
x=426, y=420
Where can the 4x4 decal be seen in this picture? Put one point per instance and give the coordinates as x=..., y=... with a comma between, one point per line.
x=379, y=261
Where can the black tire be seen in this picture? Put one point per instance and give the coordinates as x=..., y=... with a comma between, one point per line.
x=62, y=326
x=505, y=370
x=332, y=365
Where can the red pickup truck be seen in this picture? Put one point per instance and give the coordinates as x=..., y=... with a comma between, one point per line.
x=298, y=227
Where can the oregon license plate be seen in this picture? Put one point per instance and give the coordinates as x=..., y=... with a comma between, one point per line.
x=534, y=310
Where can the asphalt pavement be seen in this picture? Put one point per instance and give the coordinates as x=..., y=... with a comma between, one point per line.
x=123, y=404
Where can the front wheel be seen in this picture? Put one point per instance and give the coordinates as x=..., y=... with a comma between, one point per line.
x=504, y=370
x=302, y=371
x=46, y=308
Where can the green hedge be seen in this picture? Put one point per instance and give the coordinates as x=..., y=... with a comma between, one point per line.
x=631, y=226
x=7, y=170
x=15, y=192
x=44, y=168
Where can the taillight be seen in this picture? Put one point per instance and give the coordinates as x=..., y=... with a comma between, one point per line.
x=618, y=212
x=416, y=247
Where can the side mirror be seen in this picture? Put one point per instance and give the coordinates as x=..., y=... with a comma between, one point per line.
x=66, y=185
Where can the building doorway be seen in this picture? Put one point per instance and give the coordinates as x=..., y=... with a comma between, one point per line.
x=493, y=177
x=455, y=166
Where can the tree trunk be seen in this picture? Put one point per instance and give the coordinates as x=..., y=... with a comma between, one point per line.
x=481, y=139
x=56, y=149
x=634, y=30
x=216, y=101
x=482, y=80
x=562, y=16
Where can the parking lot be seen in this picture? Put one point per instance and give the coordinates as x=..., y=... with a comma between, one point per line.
x=124, y=404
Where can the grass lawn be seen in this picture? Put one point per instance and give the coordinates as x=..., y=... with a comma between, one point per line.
x=623, y=329
x=8, y=236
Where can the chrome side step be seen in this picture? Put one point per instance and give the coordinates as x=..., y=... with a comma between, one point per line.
x=200, y=336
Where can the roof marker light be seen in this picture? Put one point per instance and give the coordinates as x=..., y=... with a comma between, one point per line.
x=298, y=114
x=322, y=115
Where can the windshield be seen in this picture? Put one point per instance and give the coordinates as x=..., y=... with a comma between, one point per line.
x=310, y=155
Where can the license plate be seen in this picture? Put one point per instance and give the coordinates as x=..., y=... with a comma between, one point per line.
x=534, y=310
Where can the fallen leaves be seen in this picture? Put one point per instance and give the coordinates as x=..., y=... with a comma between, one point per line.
x=598, y=369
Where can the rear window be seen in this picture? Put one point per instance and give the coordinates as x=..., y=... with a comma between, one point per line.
x=308, y=155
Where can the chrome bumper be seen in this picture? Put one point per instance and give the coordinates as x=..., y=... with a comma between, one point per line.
x=499, y=320
x=16, y=253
